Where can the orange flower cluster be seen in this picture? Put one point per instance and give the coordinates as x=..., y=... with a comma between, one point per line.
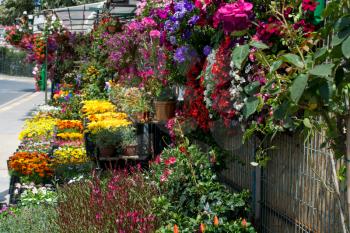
x=70, y=124
x=39, y=48
x=31, y=164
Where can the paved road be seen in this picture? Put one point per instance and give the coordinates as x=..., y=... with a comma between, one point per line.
x=11, y=89
x=17, y=99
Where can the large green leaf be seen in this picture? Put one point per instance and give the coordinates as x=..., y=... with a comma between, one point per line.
x=320, y=52
x=345, y=47
x=326, y=91
x=275, y=65
x=250, y=106
x=298, y=87
x=323, y=70
x=281, y=111
x=240, y=54
x=252, y=88
x=293, y=59
x=342, y=23
x=339, y=37
x=259, y=45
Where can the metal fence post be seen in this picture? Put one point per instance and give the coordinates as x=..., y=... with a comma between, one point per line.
x=348, y=166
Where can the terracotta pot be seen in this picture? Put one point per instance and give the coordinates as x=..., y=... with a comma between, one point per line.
x=112, y=29
x=107, y=151
x=130, y=150
x=164, y=110
x=142, y=116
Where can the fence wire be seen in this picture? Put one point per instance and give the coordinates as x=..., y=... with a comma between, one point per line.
x=295, y=192
x=14, y=63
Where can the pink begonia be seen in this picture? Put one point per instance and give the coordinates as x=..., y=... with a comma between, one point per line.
x=170, y=161
x=148, y=22
x=234, y=16
x=202, y=4
x=155, y=34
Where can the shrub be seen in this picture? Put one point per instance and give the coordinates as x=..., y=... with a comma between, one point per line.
x=118, y=203
x=191, y=195
x=38, y=219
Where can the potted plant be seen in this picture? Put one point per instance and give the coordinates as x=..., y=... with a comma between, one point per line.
x=129, y=141
x=135, y=102
x=165, y=104
x=107, y=140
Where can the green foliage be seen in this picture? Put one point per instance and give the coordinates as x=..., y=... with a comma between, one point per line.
x=298, y=87
x=38, y=219
x=191, y=194
x=93, y=92
x=107, y=137
x=240, y=55
x=129, y=136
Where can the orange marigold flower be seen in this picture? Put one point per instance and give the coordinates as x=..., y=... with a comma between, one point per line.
x=216, y=221
x=202, y=228
x=176, y=229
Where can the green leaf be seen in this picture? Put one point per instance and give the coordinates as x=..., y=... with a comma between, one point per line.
x=293, y=59
x=342, y=23
x=240, y=54
x=339, y=37
x=281, y=111
x=250, y=106
x=320, y=52
x=307, y=123
x=252, y=88
x=326, y=91
x=345, y=47
x=323, y=70
x=275, y=65
x=298, y=87
x=259, y=45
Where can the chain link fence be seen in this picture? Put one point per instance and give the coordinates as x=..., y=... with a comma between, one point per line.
x=13, y=62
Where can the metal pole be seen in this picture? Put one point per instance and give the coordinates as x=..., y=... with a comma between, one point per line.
x=348, y=166
x=46, y=64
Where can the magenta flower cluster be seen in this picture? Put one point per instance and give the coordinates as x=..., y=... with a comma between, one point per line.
x=234, y=16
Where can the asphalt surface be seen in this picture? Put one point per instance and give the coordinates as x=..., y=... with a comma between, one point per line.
x=17, y=99
x=11, y=89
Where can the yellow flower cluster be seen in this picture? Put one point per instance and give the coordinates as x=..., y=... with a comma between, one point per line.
x=97, y=106
x=92, y=71
x=112, y=124
x=70, y=136
x=69, y=155
x=38, y=127
x=107, y=116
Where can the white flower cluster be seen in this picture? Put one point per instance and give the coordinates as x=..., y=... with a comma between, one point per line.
x=236, y=89
x=46, y=109
x=208, y=80
x=33, y=194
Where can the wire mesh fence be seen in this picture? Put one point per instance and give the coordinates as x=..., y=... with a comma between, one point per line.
x=295, y=191
x=13, y=62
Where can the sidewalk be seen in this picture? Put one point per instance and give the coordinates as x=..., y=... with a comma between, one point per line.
x=16, y=78
x=12, y=117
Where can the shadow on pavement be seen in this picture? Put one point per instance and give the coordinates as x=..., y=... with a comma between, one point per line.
x=3, y=195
